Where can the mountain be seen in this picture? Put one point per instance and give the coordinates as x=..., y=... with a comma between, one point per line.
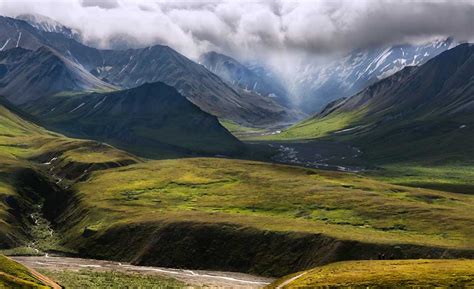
x=235, y=73
x=134, y=67
x=152, y=120
x=27, y=75
x=424, y=112
x=320, y=84
x=48, y=24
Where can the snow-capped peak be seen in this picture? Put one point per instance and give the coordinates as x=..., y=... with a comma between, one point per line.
x=47, y=24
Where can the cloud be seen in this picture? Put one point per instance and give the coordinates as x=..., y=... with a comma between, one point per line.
x=105, y=4
x=257, y=29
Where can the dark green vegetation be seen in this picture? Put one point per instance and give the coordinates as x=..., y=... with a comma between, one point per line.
x=107, y=279
x=152, y=120
x=14, y=275
x=384, y=274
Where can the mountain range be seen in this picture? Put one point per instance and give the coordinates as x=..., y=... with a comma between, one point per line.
x=133, y=67
x=27, y=75
x=421, y=112
x=249, y=78
x=316, y=85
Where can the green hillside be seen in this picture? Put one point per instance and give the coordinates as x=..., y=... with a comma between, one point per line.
x=14, y=275
x=384, y=274
x=24, y=146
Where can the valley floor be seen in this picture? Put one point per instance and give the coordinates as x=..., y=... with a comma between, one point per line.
x=64, y=269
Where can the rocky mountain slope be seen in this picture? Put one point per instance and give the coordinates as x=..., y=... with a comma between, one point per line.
x=419, y=112
x=236, y=73
x=27, y=75
x=318, y=84
x=134, y=67
x=47, y=24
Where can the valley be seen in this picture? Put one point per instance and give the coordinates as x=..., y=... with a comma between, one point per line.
x=130, y=166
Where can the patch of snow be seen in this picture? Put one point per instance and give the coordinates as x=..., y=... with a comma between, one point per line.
x=5, y=44
x=347, y=129
x=18, y=40
x=99, y=103
x=77, y=107
x=51, y=161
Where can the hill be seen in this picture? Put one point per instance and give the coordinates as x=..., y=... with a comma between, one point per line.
x=14, y=275
x=384, y=274
x=24, y=145
x=151, y=120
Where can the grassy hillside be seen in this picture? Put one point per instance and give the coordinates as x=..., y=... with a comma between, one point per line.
x=161, y=212
x=275, y=197
x=23, y=148
x=14, y=275
x=384, y=274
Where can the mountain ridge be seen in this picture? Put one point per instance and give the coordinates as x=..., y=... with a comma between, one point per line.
x=320, y=84
x=29, y=75
x=152, y=120
x=133, y=67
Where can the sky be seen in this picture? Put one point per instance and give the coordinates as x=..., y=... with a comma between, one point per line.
x=282, y=30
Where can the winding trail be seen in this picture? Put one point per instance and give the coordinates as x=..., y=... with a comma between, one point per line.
x=198, y=278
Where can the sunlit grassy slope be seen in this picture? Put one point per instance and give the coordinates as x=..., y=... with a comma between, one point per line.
x=22, y=144
x=384, y=274
x=275, y=197
x=14, y=275
x=240, y=131
x=313, y=128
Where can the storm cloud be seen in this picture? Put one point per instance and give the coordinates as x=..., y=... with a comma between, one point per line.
x=257, y=29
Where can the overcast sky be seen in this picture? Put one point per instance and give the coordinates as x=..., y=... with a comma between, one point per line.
x=258, y=28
